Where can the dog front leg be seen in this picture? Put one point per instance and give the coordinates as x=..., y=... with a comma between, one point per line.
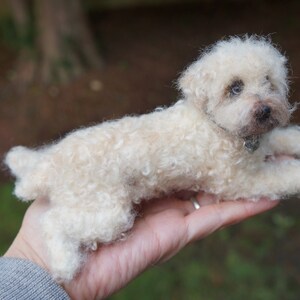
x=275, y=180
x=284, y=141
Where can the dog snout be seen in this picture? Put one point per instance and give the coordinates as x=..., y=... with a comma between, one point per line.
x=263, y=113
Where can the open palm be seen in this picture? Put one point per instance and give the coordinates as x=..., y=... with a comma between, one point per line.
x=162, y=228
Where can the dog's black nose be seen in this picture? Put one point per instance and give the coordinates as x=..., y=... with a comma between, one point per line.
x=263, y=113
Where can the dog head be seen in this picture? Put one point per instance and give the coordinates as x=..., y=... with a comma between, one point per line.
x=241, y=84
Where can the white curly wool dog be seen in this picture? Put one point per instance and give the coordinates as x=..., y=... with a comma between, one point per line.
x=217, y=138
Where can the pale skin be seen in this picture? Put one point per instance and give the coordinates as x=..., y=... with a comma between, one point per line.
x=162, y=228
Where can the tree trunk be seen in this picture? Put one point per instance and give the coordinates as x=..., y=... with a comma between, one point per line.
x=64, y=47
x=65, y=42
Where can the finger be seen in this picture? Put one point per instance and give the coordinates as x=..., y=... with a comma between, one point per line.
x=205, y=199
x=36, y=209
x=159, y=205
x=183, y=204
x=209, y=218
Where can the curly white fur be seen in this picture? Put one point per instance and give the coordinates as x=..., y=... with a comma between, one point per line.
x=93, y=176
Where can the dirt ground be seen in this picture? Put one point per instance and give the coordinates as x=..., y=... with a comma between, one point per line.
x=145, y=50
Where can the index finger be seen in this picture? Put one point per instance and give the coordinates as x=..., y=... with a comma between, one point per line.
x=208, y=219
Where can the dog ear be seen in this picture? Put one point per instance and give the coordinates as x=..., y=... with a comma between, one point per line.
x=193, y=83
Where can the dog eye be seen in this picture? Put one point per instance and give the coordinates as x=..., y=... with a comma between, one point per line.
x=236, y=88
x=270, y=83
x=267, y=79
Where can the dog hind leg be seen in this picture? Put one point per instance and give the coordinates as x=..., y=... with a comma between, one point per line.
x=68, y=231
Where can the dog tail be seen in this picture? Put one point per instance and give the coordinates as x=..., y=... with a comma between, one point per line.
x=25, y=165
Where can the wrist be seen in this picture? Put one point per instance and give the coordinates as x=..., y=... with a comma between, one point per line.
x=20, y=248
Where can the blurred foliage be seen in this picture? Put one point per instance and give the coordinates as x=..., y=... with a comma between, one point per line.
x=122, y=3
x=8, y=31
x=248, y=261
x=257, y=259
x=4, y=8
x=9, y=35
x=94, y=4
x=11, y=214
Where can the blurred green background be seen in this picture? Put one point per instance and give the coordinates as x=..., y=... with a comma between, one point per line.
x=142, y=46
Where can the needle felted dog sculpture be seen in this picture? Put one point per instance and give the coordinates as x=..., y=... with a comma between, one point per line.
x=217, y=138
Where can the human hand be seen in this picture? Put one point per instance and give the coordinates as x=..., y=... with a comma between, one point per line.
x=163, y=228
